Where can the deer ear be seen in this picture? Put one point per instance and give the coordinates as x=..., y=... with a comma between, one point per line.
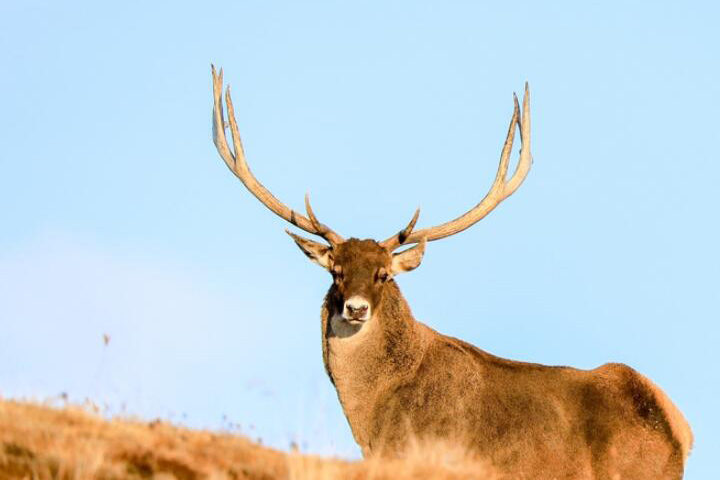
x=408, y=259
x=317, y=252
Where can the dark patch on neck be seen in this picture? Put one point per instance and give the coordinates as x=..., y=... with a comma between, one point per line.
x=398, y=343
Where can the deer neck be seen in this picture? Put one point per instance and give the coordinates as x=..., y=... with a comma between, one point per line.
x=363, y=363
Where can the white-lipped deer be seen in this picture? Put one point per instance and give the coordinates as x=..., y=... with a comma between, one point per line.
x=398, y=379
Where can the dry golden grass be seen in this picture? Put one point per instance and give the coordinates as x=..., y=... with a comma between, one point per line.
x=43, y=443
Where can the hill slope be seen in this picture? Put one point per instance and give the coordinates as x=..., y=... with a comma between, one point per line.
x=41, y=442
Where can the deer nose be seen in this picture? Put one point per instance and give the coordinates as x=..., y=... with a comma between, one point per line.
x=356, y=308
x=357, y=311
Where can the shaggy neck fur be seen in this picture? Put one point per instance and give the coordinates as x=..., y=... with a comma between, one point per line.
x=385, y=351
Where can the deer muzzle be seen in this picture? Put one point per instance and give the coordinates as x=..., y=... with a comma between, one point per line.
x=356, y=309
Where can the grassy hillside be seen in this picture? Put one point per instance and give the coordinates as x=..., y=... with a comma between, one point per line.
x=41, y=442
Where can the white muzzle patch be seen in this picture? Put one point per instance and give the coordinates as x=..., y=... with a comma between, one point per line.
x=356, y=309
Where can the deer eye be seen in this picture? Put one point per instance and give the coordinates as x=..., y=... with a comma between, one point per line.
x=382, y=275
x=337, y=274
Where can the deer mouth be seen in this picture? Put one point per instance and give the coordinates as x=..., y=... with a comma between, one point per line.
x=356, y=321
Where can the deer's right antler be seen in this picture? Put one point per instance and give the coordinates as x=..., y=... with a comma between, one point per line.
x=237, y=164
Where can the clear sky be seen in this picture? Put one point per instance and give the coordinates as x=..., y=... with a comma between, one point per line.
x=119, y=218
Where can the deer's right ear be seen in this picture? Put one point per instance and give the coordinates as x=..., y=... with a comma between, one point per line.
x=317, y=252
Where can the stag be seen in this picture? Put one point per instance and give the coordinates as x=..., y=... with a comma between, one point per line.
x=399, y=380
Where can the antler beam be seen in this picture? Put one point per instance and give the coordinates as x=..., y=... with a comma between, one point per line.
x=500, y=190
x=237, y=164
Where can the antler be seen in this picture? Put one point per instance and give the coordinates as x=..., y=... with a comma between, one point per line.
x=500, y=190
x=237, y=164
x=401, y=237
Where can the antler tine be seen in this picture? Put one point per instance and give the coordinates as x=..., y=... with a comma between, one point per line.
x=237, y=164
x=322, y=230
x=523, y=166
x=399, y=238
x=501, y=189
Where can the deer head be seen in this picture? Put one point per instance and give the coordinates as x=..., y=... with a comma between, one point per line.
x=362, y=269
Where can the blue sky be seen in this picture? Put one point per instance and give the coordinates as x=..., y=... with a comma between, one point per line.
x=118, y=217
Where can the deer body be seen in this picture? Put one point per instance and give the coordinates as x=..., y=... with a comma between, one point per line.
x=400, y=381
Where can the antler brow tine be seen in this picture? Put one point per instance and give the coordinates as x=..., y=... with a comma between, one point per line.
x=322, y=230
x=401, y=237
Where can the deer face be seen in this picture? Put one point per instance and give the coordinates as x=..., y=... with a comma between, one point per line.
x=361, y=270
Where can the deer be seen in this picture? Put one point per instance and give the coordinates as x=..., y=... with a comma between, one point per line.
x=398, y=379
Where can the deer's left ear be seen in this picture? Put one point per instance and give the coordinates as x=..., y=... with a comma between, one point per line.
x=317, y=252
x=408, y=259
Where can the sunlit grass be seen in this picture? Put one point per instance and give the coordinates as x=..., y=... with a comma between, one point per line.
x=42, y=442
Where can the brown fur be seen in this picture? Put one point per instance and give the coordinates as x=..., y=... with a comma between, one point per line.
x=399, y=380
